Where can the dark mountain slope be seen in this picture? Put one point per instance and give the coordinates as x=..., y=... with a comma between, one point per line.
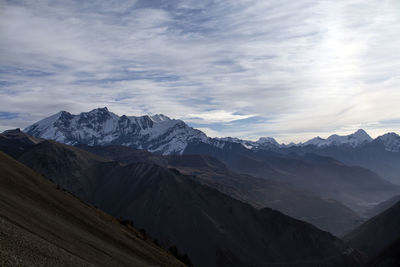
x=381, y=207
x=125, y=154
x=72, y=167
x=377, y=233
x=14, y=142
x=356, y=187
x=212, y=228
x=41, y=225
x=328, y=215
x=389, y=257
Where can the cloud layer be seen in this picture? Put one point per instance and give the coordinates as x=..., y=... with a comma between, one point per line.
x=246, y=68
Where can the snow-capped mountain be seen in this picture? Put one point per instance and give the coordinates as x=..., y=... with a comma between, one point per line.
x=391, y=141
x=267, y=142
x=262, y=142
x=163, y=135
x=353, y=140
x=156, y=133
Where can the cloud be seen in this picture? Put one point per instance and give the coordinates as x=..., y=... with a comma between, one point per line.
x=303, y=67
x=215, y=116
x=8, y=115
x=210, y=132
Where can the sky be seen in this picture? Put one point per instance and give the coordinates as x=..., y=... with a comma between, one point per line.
x=287, y=69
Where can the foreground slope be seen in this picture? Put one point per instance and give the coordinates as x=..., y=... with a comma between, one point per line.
x=212, y=228
x=377, y=233
x=45, y=226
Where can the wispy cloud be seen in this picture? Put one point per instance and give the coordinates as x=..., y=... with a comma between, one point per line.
x=300, y=67
x=215, y=116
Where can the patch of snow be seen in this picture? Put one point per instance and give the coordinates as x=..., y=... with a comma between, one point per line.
x=391, y=141
x=159, y=118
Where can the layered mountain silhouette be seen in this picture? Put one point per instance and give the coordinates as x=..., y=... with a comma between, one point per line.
x=329, y=215
x=163, y=135
x=381, y=207
x=356, y=187
x=380, y=155
x=211, y=227
x=212, y=197
x=45, y=226
x=378, y=233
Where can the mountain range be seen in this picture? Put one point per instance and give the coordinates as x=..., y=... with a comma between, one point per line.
x=213, y=228
x=327, y=214
x=264, y=159
x=162, y=135
x=358, y=188
x=246, y=203
x=156, y=133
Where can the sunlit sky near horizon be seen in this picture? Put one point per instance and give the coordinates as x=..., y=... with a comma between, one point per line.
x=287, y=69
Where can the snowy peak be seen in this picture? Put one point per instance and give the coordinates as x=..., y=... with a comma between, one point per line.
x=161, y=134
x=360, y=136
x=98, y=110
x=391, y=141
x=261, y=142
x=361, y=133
x=156, y=133
x=267, y=140
x=159, y=118
x=353, y=140
x=316, y=141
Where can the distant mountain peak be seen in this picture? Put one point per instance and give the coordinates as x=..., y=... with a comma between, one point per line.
x=263, y=140
x=98, y=110
x=362, y=135
x=391, y=141
x=159, y=118
x=267, y=142
x=361, y=131
x=389, y=135
x=355, y=139
x=12, y=131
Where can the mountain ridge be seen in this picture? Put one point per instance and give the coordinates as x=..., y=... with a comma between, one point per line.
x=327, y=214
x=98, y=127
x=175, y=208
x=161, y=134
